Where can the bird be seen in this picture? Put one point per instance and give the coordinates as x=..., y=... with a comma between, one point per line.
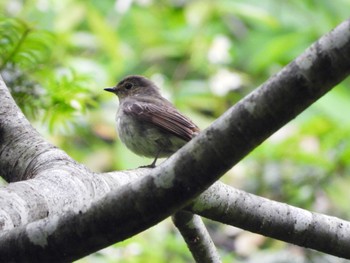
x=147, y=123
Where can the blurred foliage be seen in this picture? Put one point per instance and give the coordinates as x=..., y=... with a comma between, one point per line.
x=42, y=87
x=57, y=56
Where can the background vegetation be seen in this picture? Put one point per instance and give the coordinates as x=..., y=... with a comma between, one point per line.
x=57, y=56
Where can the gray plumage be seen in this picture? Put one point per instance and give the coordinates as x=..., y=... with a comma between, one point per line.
x=147, y=123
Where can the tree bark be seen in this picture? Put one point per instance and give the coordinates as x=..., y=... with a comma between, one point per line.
x=103, y=216
x=196, y=237
x=273, y=219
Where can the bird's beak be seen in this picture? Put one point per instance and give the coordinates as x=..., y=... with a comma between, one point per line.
x=113, y=90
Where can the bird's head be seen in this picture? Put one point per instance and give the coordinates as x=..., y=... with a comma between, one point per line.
x=134, y=86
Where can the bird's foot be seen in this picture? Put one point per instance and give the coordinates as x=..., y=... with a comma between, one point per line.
x=152, y=165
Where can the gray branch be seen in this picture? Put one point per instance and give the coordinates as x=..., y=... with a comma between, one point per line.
x=110, y=214
x=23, y=152
x=273, y=219
x=196, y=236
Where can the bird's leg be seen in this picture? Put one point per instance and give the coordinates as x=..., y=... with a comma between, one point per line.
x=153, y=164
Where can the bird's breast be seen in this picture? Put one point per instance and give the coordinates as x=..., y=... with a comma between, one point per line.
x=144, y=138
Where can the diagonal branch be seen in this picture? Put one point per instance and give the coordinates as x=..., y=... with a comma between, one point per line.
x=145, y=201
x=273, y=219
x=23, y=152
x=231, y=206
x=196, y=236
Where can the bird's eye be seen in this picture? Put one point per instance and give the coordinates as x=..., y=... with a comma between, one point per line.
x=128, y=85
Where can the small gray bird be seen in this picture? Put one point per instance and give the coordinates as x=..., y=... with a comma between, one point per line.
x=148, y=124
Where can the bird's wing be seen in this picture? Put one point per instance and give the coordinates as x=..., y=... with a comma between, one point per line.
x=166, y=118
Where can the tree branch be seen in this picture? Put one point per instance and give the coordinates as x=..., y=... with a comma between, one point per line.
x=196, y=236
x=23, y=152
x=145, y=201
x=227, y=205
x=273, y=219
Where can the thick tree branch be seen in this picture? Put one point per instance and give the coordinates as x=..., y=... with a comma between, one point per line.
x=224, y=204
x=196, y=236
x=165, y=189
x=23, y=152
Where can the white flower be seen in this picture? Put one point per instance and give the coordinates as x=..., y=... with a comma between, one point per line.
x=219, y=50
x=224, y=81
